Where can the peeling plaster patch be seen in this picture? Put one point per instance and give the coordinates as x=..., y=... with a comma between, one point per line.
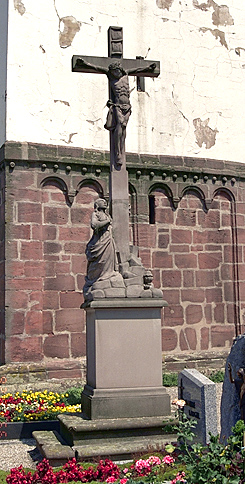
x=19, y=6
x=63, y=102
x=70, y=27
x=93, y=122
x=221, y=14
x=218, y=34
x=69, y=139
x=238, y=50
x=204, y=134
x=164, y=3
x=202, y=6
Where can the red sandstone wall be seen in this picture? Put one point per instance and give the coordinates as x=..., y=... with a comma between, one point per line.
x=193, y=257
x=194, y=254
x=2, y=266
x=45, y=276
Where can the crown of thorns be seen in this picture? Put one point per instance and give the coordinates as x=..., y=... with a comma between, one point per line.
x=115, y=65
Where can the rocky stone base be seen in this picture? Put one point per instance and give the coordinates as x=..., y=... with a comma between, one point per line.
x=131, y=281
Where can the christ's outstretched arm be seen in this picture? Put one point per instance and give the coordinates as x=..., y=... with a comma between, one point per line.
x=138, y=70
x=80, y=62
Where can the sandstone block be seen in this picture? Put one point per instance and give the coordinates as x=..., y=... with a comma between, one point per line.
x=146, y=293
x=134, y=260
x=115, y=292
x=117, y=281
x=132, y=281
x=134, y=291
x=157, y=292
x=97, y=294
x=102, y=284
x=137, y=270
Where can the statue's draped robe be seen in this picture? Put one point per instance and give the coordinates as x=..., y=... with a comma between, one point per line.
x=100, y=253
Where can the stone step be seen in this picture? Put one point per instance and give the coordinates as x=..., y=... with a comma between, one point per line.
x=52, y=447
x=119, y=438
x=74, y=429
x=121, y=448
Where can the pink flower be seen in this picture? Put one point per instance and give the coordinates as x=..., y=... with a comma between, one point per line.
x=180, y=477
x=142, y=466
x=125, y=470
x=153, y=461
x=168, y=459
x=111, y=479
x=123, y=481
x=179, y=403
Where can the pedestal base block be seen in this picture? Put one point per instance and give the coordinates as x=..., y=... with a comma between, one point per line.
x=125, y=403
x=124, y=360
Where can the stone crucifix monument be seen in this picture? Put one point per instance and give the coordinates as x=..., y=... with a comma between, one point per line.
x=123, y=309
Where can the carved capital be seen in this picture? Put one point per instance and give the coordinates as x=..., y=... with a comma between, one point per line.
x=71, y=195
x=175, y=201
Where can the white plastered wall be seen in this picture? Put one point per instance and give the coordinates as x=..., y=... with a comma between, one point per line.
x=194, y=108
x=3, y=67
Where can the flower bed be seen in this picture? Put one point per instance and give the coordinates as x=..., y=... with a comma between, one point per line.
x=32, y=406
x=105, y=471
x=188, y=462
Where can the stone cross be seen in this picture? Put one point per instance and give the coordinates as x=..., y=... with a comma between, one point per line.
x=117, y=70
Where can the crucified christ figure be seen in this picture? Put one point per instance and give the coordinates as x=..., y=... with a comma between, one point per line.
x=119, y=106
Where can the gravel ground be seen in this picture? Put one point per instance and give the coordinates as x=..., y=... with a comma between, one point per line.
x=14, y=453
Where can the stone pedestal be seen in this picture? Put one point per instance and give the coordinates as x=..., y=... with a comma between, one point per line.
x=124, y=360
x=124, y=404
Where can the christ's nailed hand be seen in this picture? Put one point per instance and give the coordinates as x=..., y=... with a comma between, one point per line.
x=153, y=66
x=80, y=61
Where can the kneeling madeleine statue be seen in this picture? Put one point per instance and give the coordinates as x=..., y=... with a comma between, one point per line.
x=100, y=250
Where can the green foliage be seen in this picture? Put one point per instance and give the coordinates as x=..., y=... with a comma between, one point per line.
x=3, y=475
x=170, y=379
x=170, y=473
x=217, y=376
x=74, y=395
x=214, y=463
x=79, y=482
x=169, y=426
x=132, y=481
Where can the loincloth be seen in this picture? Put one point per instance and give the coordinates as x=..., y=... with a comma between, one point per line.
x=124, y=108
x=111, y=120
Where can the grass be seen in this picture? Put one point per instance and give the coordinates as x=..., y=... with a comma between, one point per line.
x=3, y=475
